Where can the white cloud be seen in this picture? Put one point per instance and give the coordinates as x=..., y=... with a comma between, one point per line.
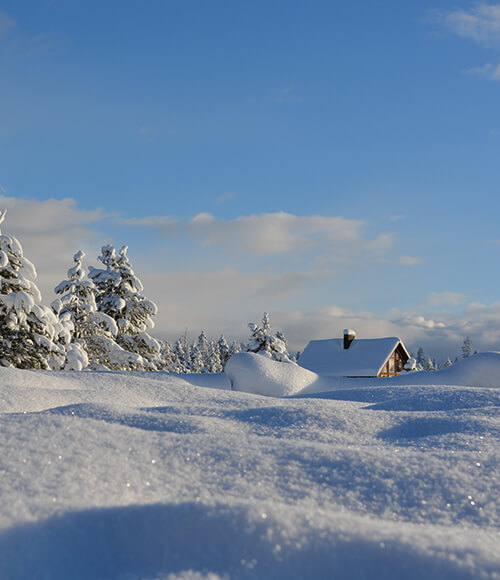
x=488, y=71
x=481, y=23
x=220, y=301
x=445, y=299
x=165, y=225
x=50, y=233
x=410, y=261
x=440, y=334
x=273, y=233
x=227, y=196
x=225, y=299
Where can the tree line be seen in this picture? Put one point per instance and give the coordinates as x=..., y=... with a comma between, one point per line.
x=101, y=320
x=428, y=363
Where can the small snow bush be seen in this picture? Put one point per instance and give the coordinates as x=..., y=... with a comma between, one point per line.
x=263, y=342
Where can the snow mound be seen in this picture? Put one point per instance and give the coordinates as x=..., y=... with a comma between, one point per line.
x=254, y=373
x=257, y=374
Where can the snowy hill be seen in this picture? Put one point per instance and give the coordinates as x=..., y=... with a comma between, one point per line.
x=133, y=476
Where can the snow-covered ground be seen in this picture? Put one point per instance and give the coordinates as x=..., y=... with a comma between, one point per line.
x=131, y=476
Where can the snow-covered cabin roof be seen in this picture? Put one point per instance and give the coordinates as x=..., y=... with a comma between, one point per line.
x=365, y=357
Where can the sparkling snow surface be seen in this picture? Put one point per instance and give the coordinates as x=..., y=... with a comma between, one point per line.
x=154, y=476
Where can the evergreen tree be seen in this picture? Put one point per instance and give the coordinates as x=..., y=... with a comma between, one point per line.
x=198, y=364
x=214, y=363
x=235, y=348
x=181, y=357
x=264, y=342
x=467, y=348
x=166, y=355
x=447, y=363
x=429, y=365
x=421, y=359
x=202, y=352
x=31, y=336
x=119, y=296
x=224, y=350
x=93, y=337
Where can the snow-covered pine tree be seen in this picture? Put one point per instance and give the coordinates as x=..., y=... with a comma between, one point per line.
x=223, y=349
x=93, y=338
x=166, y=355
x=198, y=364
x=235, y=348
x=281, y=336
x=421, y=359
x=201, y=349
x=262, y=341
x=467, y=347
x=31, y=336
x=214, y=364
x=181, y=357
x=429, y=365
x=447, y=363
x=119, y=296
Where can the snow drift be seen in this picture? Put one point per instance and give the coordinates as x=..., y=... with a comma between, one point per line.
x=144, y=476
x=254, y=373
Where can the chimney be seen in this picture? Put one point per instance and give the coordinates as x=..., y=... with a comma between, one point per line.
x=349, y=336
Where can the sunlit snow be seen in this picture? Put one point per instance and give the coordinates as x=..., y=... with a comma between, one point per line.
x=123, y=475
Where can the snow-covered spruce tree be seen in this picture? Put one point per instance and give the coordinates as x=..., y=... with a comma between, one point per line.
x=467, y=347
x=447, y=363
x=421, y=359
x=200, y=354
x=31, y=336
x=430, y=365
x=223, y=349
x=181, y=357
x=214, y=363
x=166, y=355
x=236, y=347
x=198, y=363
x=262, y=341
x=119, y=296
x=93, y=339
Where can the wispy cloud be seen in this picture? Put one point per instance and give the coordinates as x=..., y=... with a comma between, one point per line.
x=410, y=261
x=50, y=232
x=480, y=23
x=272, y=233
x=6, y=24
x=488, y=71
x=445, y=299
x=227, y=196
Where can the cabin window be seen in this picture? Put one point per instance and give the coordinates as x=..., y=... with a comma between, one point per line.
x=393, y=366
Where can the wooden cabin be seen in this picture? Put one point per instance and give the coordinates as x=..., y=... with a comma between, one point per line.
x=355, y=357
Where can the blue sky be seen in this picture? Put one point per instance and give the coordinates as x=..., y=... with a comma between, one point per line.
x=333, y=163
